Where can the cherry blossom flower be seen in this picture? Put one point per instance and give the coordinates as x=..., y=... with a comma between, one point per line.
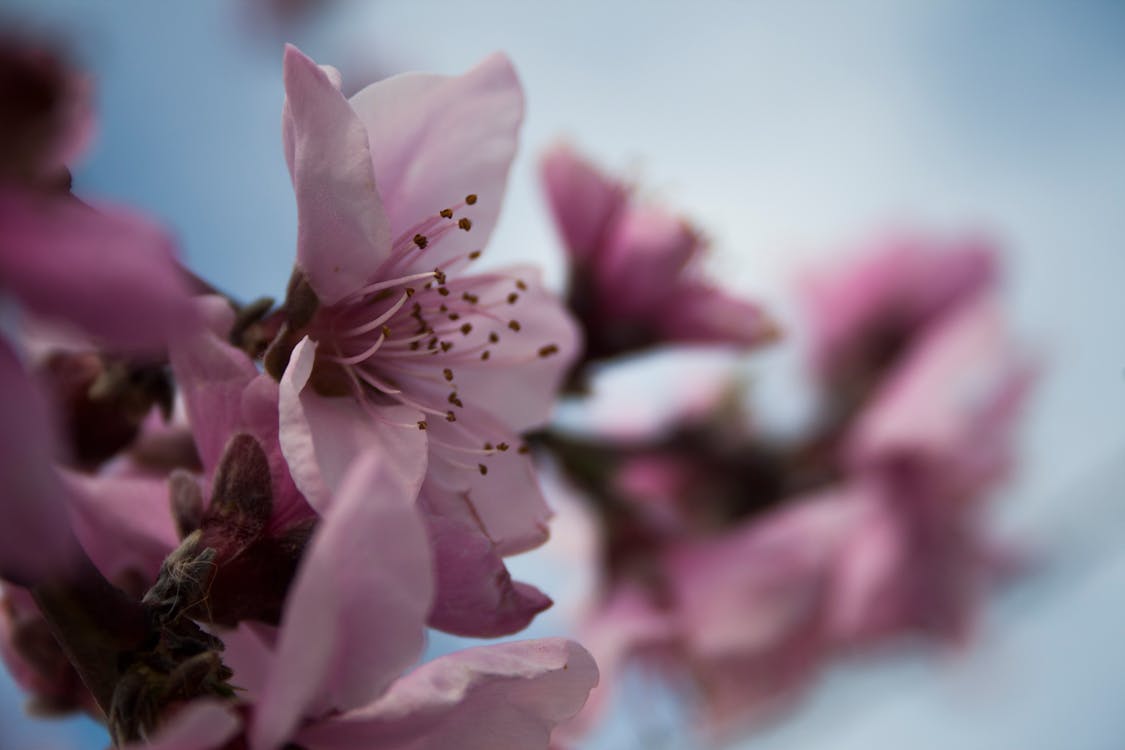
x=635, y=280
x=397, y=190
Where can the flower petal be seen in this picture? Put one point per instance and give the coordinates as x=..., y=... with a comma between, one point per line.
x=124, y=524
x=696, y=312
x=200, y=725
x=109, y=272
x=438, y=139
x=212, y=376
x=343, y=233
x=476, y=595
x=321, y=436
x=355, y=615
x=35, y=536
x=500, y=494
x=504, y=697
x=583, y=200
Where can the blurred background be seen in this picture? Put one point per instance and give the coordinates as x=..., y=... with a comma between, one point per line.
x=790, y=133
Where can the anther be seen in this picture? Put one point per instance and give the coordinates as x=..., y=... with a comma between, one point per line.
x=494, y=337
x=548, y=350
x=447, y=373
x=471, y=198
x=444, y=292
x=454, y=316
x=442, y=308
x=474, y=255
x=523, y=450
x=521, y=285
x=439, y=275
x=420, y=240
x=488, y=446
x=415, y=346
x=512, y=298
x=446, y=213
x=485, y=354
x=422, y=424
x=386, y=331
x=514, y=325
x=483, y=469
x=453, y=399
x=501, y=447
x=409, y=291
x=446, y=345
x=466, y=328
x=450, y=417
x=472, y=299
x=464, y=223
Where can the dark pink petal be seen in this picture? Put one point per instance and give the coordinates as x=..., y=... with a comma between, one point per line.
x=110, y=273
x=343, y=233
x=696, y=312
x=476, y=595
x=643, y=259
x=124, y=524
x=321, y=436
x=504, y=697
x=35, y=537
x=438, y=139
x=583, y=200
x=200, y=725
x=355, y=615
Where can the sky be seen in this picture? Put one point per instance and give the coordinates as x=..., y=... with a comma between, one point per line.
x=792, y=132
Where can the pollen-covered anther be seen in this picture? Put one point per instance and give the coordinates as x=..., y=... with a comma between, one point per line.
x=386, y=331
x=450, y=417
x=439, y=275
x=447, y=374
x=454, y=316
x=465, y=223
x=472, y=299
x=485, y=355
x=521, y=285
x=471, y=199
x=494, y=337
x=488, y=446
x=523, y=450
x=446, y=213
x=421, y=241
x=443, y=291
x=483, y=469
x=453, y=399
x=474, y=254
x=514, y=325
x=548, y=350
x=512, y=298
x=446, y=345
x=502, y=447
x=466, y=328
x=422, y=424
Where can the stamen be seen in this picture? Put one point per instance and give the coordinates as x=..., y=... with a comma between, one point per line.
x=471, y=199
x=514, y=325
x=381, y=285
x=364, y=355
x=372, y=325
x=512, y=298
x=548, y=350
x=465, y=223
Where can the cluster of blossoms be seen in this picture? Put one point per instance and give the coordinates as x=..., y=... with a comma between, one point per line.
x=229, y=525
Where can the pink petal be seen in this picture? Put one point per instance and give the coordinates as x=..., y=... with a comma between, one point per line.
x=124, y=524
x=321, y=436
x=109, y=272
x=476, y=595
x=343, y=233
x=506, y=502
x=583, y=200
x=200, y=725
x=954, y=399
x=355, y=614
x=212, y=376
x=519, y=381
x=35, y=537
x=504, y=697
x=643, y=259
x=436, y=140
x=696, y=312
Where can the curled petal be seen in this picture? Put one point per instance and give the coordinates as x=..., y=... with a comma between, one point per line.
x=355, y=615
x=504, y=697
x=321, y=435
x=476, y=595
x=438, y=139
x=343, y=233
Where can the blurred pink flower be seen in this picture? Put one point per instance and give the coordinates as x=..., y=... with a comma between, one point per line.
x=439, y=365
x=353, y=621
x=635, y=280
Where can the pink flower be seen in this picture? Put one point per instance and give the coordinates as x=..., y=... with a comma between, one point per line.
x=635, y=280
x=936, y=440
x=353, y=621
x=386, y=345
x=864, y=313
